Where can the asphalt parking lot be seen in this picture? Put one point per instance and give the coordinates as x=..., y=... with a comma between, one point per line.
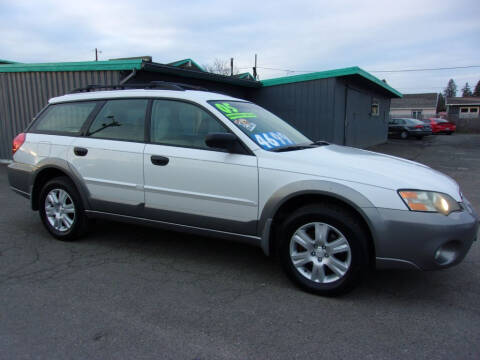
x=128, y=292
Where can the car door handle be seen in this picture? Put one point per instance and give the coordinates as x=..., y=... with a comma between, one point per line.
x=79, y=151
x=159, y=160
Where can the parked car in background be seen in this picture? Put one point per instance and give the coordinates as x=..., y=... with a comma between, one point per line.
x=405, y=128
x=441, y=126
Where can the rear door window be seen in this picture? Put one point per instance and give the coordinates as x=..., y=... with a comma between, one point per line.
x=120, y=120
x=67, y=118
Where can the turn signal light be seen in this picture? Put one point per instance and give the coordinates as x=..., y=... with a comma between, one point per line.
x=17, y=142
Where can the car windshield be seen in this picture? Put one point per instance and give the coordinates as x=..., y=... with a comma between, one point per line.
x=439, y=120
x=266, y=129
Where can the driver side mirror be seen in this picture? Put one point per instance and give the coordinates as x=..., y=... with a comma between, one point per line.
x=226, y=141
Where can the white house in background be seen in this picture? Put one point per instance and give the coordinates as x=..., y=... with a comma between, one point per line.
x=463, y=107
x=418, y=106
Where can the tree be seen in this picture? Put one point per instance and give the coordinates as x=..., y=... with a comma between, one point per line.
x=466, y=91
x=441, y=103
x=221, y=67
x=476, y=91
x=451, y=89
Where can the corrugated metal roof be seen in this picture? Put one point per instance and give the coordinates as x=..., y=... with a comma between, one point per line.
x=355, y=70
x=169, y=69
x=186, y=61
x=415, y=101
x=75, y=66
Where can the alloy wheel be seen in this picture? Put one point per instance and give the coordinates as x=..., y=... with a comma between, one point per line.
x=320, y=252
x=60, y=210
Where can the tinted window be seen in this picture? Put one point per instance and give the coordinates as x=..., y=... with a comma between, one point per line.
x=121, y=120
x=67, y=118
x=182, y=124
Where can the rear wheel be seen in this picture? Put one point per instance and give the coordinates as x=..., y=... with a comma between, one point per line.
x=404, y=134
x=323, y=249
x=61, y=209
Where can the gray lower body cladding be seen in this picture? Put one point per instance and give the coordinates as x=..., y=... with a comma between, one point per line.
x=20, y=178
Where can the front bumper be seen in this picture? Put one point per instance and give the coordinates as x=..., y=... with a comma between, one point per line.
x=427, y=241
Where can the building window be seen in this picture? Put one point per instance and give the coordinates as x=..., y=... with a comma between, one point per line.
x=468, y=112
x=375, y=108
x=417, y=114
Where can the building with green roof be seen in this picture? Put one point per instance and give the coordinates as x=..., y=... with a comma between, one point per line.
x=345, y=106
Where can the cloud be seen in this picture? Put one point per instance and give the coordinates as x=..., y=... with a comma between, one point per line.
x=296, y=35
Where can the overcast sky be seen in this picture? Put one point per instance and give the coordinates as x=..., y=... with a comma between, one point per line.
x=293, y=35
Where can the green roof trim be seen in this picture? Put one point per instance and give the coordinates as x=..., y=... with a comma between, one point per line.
x=355, y=70
x=245, y=75
x=75, y=66
x=2, y=61
x=184, y=61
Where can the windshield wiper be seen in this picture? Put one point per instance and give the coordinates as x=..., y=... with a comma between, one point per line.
x=291, y=147
x=320, y=143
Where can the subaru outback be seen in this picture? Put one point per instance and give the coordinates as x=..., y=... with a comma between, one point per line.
x=214, y=165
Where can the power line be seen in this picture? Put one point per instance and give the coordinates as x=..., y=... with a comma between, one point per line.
x=428, y=69
x=377, y=71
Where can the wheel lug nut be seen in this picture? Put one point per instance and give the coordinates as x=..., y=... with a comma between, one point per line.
x=313, y=253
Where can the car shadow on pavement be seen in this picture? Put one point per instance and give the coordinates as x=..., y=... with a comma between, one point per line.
x=211, y=256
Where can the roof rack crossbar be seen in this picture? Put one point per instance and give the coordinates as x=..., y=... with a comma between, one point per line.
x=164, y=85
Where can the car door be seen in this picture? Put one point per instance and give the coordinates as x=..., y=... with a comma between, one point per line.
x=109, y=157
x=187, y=182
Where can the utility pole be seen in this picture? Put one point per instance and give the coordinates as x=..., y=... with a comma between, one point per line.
x=231, y=66
x=255, y=68
x=96, y=54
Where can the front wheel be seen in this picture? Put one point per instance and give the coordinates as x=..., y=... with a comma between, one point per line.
x=61, y=209
x=323, y=249
x=404, y=134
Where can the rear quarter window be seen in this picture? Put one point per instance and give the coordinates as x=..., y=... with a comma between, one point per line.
x=64, y=118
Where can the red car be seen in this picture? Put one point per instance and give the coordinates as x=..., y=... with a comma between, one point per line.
x=441, y=126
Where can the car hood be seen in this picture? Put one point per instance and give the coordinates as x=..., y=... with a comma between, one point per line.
x=361, y=166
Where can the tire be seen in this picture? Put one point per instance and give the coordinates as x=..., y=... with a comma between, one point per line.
x=404, y=134
x=66, y=220
x=449, y=133
x=340, y=223
x=419, y=137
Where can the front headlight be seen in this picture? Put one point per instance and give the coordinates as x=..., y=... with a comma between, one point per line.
x=429, y=201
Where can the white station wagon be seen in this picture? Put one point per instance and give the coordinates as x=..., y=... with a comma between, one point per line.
x=214, y=165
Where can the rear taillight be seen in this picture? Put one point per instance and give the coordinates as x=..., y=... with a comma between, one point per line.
x=418, y=126
x=17, y=142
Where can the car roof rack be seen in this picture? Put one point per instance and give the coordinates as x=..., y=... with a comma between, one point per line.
x=159, y=85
